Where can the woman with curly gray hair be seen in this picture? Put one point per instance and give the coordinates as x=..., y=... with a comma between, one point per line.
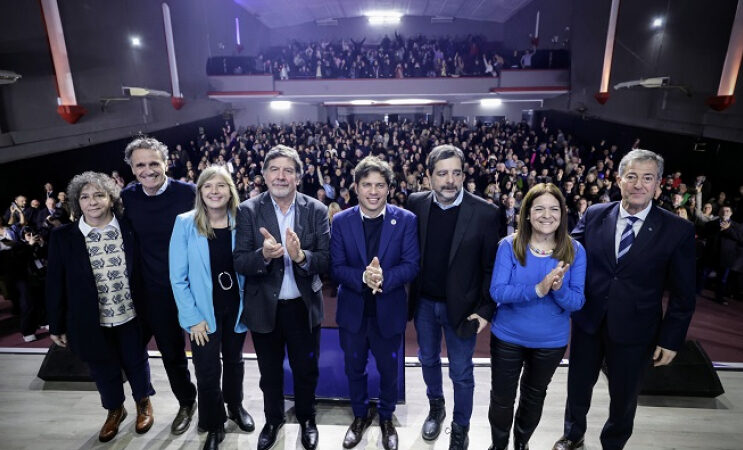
x=90, y=299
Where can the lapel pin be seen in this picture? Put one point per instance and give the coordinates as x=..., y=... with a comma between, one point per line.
x=393, y=221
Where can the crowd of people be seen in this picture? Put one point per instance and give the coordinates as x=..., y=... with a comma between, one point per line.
x=393, y=194
x=396, y=57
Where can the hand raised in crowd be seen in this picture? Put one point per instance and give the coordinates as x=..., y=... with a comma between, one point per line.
x=271, y=248
x=199, y=334
x=293, y=246
x=373, y=276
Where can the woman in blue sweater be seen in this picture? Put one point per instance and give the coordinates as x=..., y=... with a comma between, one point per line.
x=209, y=293
x=537, y=282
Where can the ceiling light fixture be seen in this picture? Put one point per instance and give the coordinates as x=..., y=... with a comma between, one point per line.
x=657, y=22
x=409, y=101
x=281, y=105
x=491, y=102
x=135, y=41
x=383, y=17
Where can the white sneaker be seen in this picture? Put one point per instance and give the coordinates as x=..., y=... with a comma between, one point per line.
x=30, y=338
x=44, y=327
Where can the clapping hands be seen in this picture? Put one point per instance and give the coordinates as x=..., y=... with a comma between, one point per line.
x=553, y=280
x=373, y=276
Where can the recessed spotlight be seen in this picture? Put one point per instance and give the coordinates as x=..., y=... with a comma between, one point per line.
x=135, y=41
x=657, y=22
x=281, y=105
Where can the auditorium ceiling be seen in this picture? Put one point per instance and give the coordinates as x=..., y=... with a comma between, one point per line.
x=282, y=13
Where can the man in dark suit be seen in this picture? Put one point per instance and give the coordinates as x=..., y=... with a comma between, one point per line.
x=635, y=251
x=459, y=235
x=374, y=249
x=282, y=247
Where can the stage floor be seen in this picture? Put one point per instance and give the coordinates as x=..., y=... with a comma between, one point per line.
x=39, y=415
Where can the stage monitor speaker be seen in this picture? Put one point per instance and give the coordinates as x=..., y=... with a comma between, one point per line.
x=691, y=374
x=60, y=364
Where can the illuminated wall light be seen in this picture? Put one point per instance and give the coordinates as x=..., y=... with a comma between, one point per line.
x=135, y=41
x=281, y=105
x=409, y=101
x=383, y=17
x=657, y=22
x=491, y=102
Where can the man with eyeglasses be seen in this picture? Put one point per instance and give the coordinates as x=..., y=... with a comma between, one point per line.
x=635, y=251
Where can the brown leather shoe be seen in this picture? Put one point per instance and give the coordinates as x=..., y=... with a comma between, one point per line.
x=145, y=418
x=111, y=425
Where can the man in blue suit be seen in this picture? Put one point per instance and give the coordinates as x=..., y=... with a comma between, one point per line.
x=635, y=251
x=374, y=253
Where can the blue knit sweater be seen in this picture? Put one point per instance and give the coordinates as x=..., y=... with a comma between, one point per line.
x=522, y=317
x=152, y=219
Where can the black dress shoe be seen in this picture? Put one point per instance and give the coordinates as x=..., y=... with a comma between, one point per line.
x=183, y=419
x=566, y=444
x=389, y=435
x=432, y=424
x=213, y=439
x=268, y=435
x=241, y=417
x=459, y=438
x=356, y=431
x=309, y=434
x=520, y=446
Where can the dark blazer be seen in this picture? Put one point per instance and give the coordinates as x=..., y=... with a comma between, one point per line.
x=398, y=257
x=478, y=230
x=629, y=294
x=71, y=292
x=263, y=282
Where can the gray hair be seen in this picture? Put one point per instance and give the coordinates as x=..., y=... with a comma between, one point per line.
x=147, y=143
x=283, y=151
x=103, y=181
x=641, y=155
x=373, y=164
x=442, y=152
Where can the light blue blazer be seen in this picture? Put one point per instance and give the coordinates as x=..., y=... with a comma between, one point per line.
x=191, y=275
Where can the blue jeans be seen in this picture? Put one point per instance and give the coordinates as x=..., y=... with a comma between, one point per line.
x=430, y=319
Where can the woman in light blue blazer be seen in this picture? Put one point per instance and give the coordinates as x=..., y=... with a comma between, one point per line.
x=209, y=293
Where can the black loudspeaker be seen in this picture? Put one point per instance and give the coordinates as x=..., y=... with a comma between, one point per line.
x=691, y=374
x=60, y=364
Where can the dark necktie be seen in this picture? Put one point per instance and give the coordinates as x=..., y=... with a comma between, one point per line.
x=628, y=237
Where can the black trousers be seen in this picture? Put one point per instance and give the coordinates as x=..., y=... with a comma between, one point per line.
x=127, y=352
x=161, y=321
x=209, y=369
x=626, y=365
x=507, y=361
x=30, y=297
x=303, y=347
